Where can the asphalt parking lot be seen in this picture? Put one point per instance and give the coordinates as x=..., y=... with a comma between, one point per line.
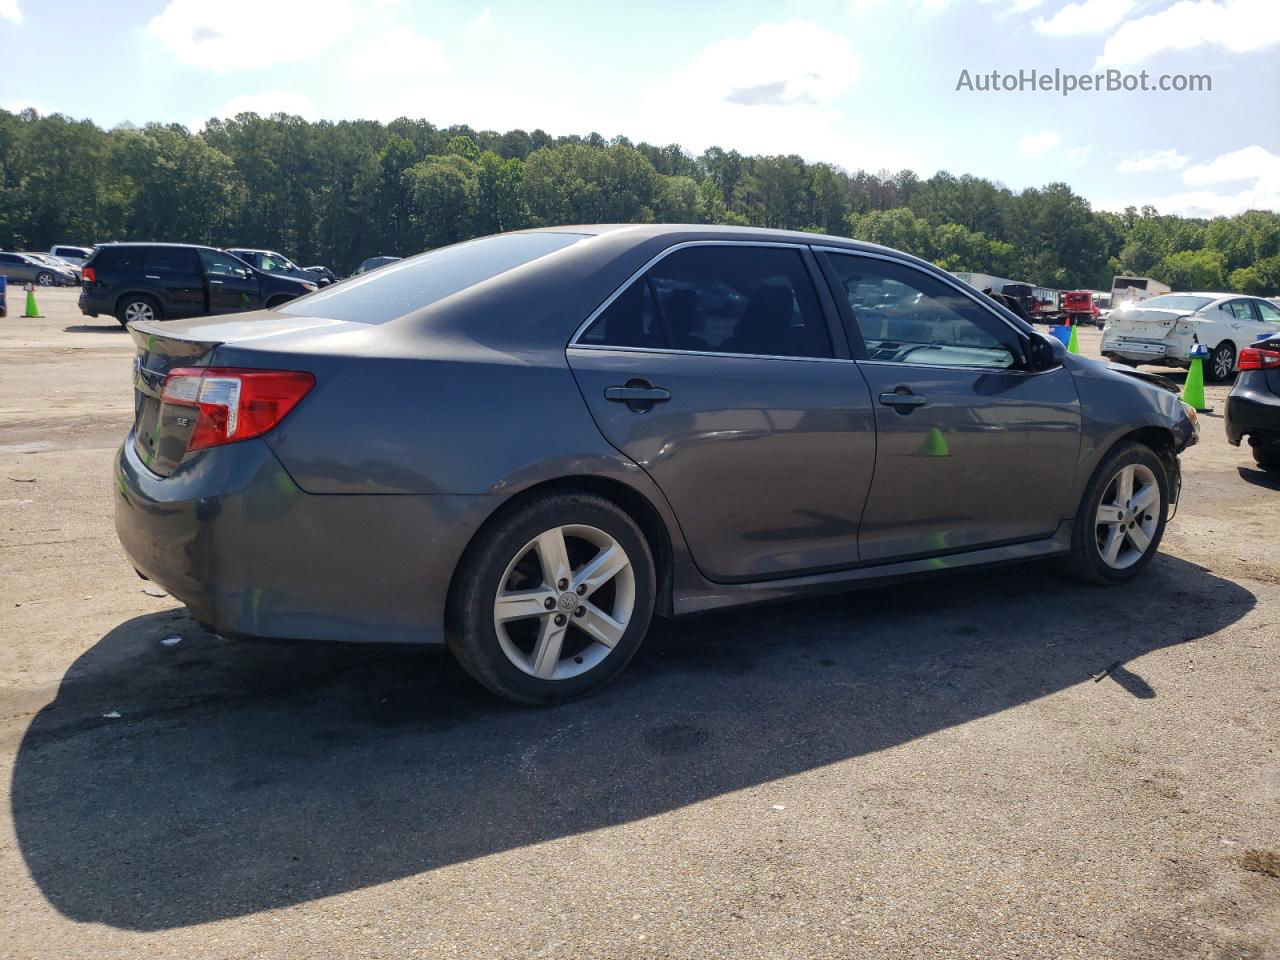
x=997, y=764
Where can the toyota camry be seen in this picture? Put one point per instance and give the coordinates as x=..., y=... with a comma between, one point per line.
x=527, y=445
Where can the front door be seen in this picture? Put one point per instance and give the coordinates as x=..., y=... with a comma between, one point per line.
x=716, y=372
x=973, y=450
x=233, y=286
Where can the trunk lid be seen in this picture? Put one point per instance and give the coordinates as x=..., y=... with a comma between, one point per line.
x=1139, y=324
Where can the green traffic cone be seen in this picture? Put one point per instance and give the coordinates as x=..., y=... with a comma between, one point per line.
x=935, y=445
x=1073, y=345
x=1193, y=389
x=32, y=309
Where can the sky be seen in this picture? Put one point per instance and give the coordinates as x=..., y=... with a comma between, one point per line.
x=869, y=84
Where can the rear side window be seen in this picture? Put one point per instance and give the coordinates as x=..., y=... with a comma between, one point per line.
x=118, y=258
x=171, y=260
x=400, y=288
x=720, y=299
x=1241, y=310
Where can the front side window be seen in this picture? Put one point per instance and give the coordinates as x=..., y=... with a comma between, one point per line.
x=907, y=316
x=218, y=264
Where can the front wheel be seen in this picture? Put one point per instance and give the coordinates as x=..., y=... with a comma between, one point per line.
x=1222, y=362
x=44, y=279
x=1121, y=517
x=553, y=600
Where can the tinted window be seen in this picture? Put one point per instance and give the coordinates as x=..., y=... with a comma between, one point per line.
x=218, y=264
x=409, y=285
x=1269, y=312
x=630, y=321
x=740, y=299
x=118, y=257
x=9, y=258
x=907, y=316
x=170, y=259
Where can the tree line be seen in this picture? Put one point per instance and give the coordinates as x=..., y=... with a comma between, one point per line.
x=336, y=193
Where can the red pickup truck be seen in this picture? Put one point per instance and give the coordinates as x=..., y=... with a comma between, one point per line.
x=1078, y=307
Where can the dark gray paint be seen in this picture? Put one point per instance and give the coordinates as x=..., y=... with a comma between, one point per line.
x=348, y=520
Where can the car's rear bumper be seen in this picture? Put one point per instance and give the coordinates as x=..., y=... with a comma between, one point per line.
x=92, y=306
x=234, y=538
x=1252, y=410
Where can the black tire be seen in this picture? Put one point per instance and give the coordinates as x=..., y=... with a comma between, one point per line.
x=1267, y=456
x=44, y=279
x=123, y=312
x=1085, y=560
x=470, y=629
x=1223, y=357
x=277, y=302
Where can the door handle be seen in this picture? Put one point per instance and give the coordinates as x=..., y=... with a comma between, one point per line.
x=150, y=276
x=907, y=400
x=219, y=282
x=639, y=395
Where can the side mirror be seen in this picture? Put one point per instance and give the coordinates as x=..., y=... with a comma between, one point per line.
x=1046, y=353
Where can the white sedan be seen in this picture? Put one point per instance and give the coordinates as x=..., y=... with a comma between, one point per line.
x=1163, y=329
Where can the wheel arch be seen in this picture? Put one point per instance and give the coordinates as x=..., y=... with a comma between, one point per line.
x=121, y=298
x=637, y=505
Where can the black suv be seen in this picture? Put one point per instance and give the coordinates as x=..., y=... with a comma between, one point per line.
x=165, y=281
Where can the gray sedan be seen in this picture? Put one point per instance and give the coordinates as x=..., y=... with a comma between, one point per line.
x=24, y=268
x=527, y=445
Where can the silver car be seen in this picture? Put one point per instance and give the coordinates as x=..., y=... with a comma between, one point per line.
x=21, y=268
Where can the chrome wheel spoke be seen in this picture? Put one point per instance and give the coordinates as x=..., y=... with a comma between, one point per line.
x=1138, y=537
x=602, y=568
x=553, y=556
x=1111, y=548
x=546, y=652
x=1110, y=513
x=522, y=604
x=600, y=627
x=1145, y=497
x=1124, y=486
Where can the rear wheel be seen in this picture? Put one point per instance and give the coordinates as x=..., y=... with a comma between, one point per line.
x=1121, y=517
x=553, y=600
x=137, y=307
x=1221, y=362
x=1267, y=456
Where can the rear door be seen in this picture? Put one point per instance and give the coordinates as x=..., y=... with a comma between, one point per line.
x=973, y=449
x=174, y=275
x=233, y=286
x=717, y=371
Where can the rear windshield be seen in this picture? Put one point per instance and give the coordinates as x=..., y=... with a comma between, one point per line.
x=1173, y=301
x=400, y=288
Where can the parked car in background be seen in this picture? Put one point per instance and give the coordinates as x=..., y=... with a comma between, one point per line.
x=323, y=272
x=1162, y=330
x=1078, y=307
x=1253, y=406
x=53, y=261
x=1102, y=302
x=22, y=268
x=166, y=281
x=71, y=254
x=268, y=261
x=731, y=415
x=373, y=263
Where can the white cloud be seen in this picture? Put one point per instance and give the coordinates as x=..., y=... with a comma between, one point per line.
x=17, y=106
x=774, y=91
x=397, y=54
x=1249, y=164
x=1079, y=153
x=264, y=104
x=483, y=19
x=1087, y=16
x=9, y=10
x=1238, y=25
x=1151, y=161
x=1039, y=142
x=246, y=35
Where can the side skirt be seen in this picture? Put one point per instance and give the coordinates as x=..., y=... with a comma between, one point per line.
x=693, y=593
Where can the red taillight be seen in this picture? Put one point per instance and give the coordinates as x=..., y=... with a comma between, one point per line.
x=234, y=404
x=89, y=275
x=1255, y=358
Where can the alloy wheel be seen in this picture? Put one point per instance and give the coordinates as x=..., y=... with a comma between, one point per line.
x=1224, y=359
x=564, y=602
x=45, y=280
x=1127, y=516
x=139, y=310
